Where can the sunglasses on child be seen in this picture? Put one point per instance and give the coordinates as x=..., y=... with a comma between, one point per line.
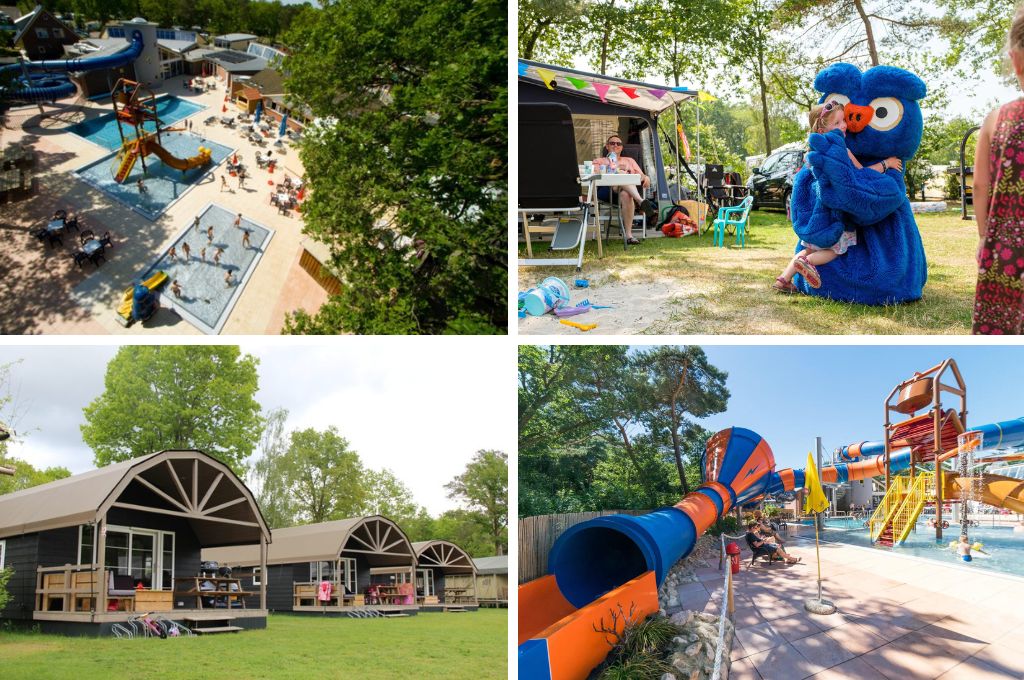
x=830, y=106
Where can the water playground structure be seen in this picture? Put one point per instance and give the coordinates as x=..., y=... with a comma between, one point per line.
x=134, y=106
x=614, y=561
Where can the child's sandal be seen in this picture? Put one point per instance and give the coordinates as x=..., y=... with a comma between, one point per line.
x=781, y=285
x=808, y=271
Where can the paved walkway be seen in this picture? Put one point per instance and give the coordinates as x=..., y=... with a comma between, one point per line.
x=900, y=618
x=43, y=292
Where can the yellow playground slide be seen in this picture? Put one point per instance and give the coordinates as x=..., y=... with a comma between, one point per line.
x=131, y=151
x=124, y=310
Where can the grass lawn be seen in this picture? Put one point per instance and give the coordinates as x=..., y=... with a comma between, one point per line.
x=471, y=645
x=706, y=290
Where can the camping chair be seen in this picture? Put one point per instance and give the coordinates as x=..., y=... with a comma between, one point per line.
x=636, y=152
x=551, y=184
x=715, y=191
x=762, y=551
x=736, y=217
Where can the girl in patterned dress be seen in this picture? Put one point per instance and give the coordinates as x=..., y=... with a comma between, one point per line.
x=999, y=206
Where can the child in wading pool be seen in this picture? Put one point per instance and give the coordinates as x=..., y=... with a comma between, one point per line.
x=821, y=119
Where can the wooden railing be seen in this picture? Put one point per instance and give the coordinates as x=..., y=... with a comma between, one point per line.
x=75, y=585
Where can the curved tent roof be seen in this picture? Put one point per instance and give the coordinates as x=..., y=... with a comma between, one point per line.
x=631, y=94
x=373, y=535
x=188, y=484
x=443, y=555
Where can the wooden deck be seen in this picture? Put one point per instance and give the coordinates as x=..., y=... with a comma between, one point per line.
x=174, y=614
x=354, y=608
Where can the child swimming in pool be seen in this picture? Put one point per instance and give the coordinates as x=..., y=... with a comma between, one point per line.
x=963, y=549
x=823, y=118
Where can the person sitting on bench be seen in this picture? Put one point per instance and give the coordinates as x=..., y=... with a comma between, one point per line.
x=760, y=547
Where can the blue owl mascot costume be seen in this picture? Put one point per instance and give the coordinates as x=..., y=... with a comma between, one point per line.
x=883, y=119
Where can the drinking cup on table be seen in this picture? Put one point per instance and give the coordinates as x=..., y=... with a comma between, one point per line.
x=588, y=167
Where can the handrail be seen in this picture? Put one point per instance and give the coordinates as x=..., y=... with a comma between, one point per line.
x=727, y=610
x=890, y=503
x=906, y=515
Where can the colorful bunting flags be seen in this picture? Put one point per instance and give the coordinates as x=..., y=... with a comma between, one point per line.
x=602, y=89
x=547, y=76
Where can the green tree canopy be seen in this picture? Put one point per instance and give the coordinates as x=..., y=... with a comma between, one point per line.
x=160, y=397
x=276, y=504
x=483, y=488
x=408, y=170
x=323, y=476
x=387, y=495
x=610, y=428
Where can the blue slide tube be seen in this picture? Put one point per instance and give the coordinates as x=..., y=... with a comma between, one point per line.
x=51, y=88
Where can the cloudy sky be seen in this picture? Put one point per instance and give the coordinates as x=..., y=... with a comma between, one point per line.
x=421, y=408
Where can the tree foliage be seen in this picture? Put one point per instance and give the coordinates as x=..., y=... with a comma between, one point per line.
x=409, y=170
x=387, y=495
x=276, y=504
x=322, y=476
x=483, y=489
x=160, y=397
x=596, y=425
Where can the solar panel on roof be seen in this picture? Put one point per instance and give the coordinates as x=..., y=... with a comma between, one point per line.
x=232, y=57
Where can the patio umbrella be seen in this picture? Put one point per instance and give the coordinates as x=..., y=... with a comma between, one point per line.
x=284, y=126
x=259, y=112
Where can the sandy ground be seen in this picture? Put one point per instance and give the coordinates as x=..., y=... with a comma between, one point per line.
x=637, y=307
x=43, y=292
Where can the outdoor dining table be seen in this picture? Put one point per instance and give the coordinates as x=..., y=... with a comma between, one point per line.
x=55, y=226
x=92, y=246
x=605, y=180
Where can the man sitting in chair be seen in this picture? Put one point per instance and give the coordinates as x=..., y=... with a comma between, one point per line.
x=760, y=547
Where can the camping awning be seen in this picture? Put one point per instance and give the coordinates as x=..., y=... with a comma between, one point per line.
x=629, y=93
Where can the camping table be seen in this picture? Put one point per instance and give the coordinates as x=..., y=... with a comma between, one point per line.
x=605, y=180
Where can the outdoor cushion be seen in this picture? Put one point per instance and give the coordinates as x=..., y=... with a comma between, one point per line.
x=120, y=585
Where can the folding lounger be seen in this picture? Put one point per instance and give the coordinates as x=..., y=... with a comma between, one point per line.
x=549, y=180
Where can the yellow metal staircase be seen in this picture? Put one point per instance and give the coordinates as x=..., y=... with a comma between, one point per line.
x=897, y=515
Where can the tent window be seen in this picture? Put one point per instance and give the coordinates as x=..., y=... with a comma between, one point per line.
x=256, y=575
x=86, y=543
x=3, y=553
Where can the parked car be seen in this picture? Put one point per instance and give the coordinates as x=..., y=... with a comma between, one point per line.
x=771, y=185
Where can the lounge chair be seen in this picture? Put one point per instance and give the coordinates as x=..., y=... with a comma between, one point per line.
x=549, y=180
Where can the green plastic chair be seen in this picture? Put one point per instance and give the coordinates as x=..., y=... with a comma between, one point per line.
x=737, y=217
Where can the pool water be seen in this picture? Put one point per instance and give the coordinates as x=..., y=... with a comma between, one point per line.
x=1005, y=547
x=164, y=184
x=206, y=299
x=103, y=129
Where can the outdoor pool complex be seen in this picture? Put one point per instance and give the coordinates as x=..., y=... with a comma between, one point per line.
x=164, y=185
x=206, y=300
x=103, y=129
x=1005, y=547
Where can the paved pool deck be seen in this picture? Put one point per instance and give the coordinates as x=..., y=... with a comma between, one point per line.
x=43, y=292
x=900, y=618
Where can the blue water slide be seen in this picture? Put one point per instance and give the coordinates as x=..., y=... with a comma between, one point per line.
x=1005, y=433
x=49, y=86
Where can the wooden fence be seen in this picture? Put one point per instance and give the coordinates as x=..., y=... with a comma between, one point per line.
x=538, y=534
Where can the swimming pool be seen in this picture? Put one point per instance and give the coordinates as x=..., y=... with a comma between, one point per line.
x=1005, y=547
x=206, y=299
x=164, y=185
x=103, y=129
